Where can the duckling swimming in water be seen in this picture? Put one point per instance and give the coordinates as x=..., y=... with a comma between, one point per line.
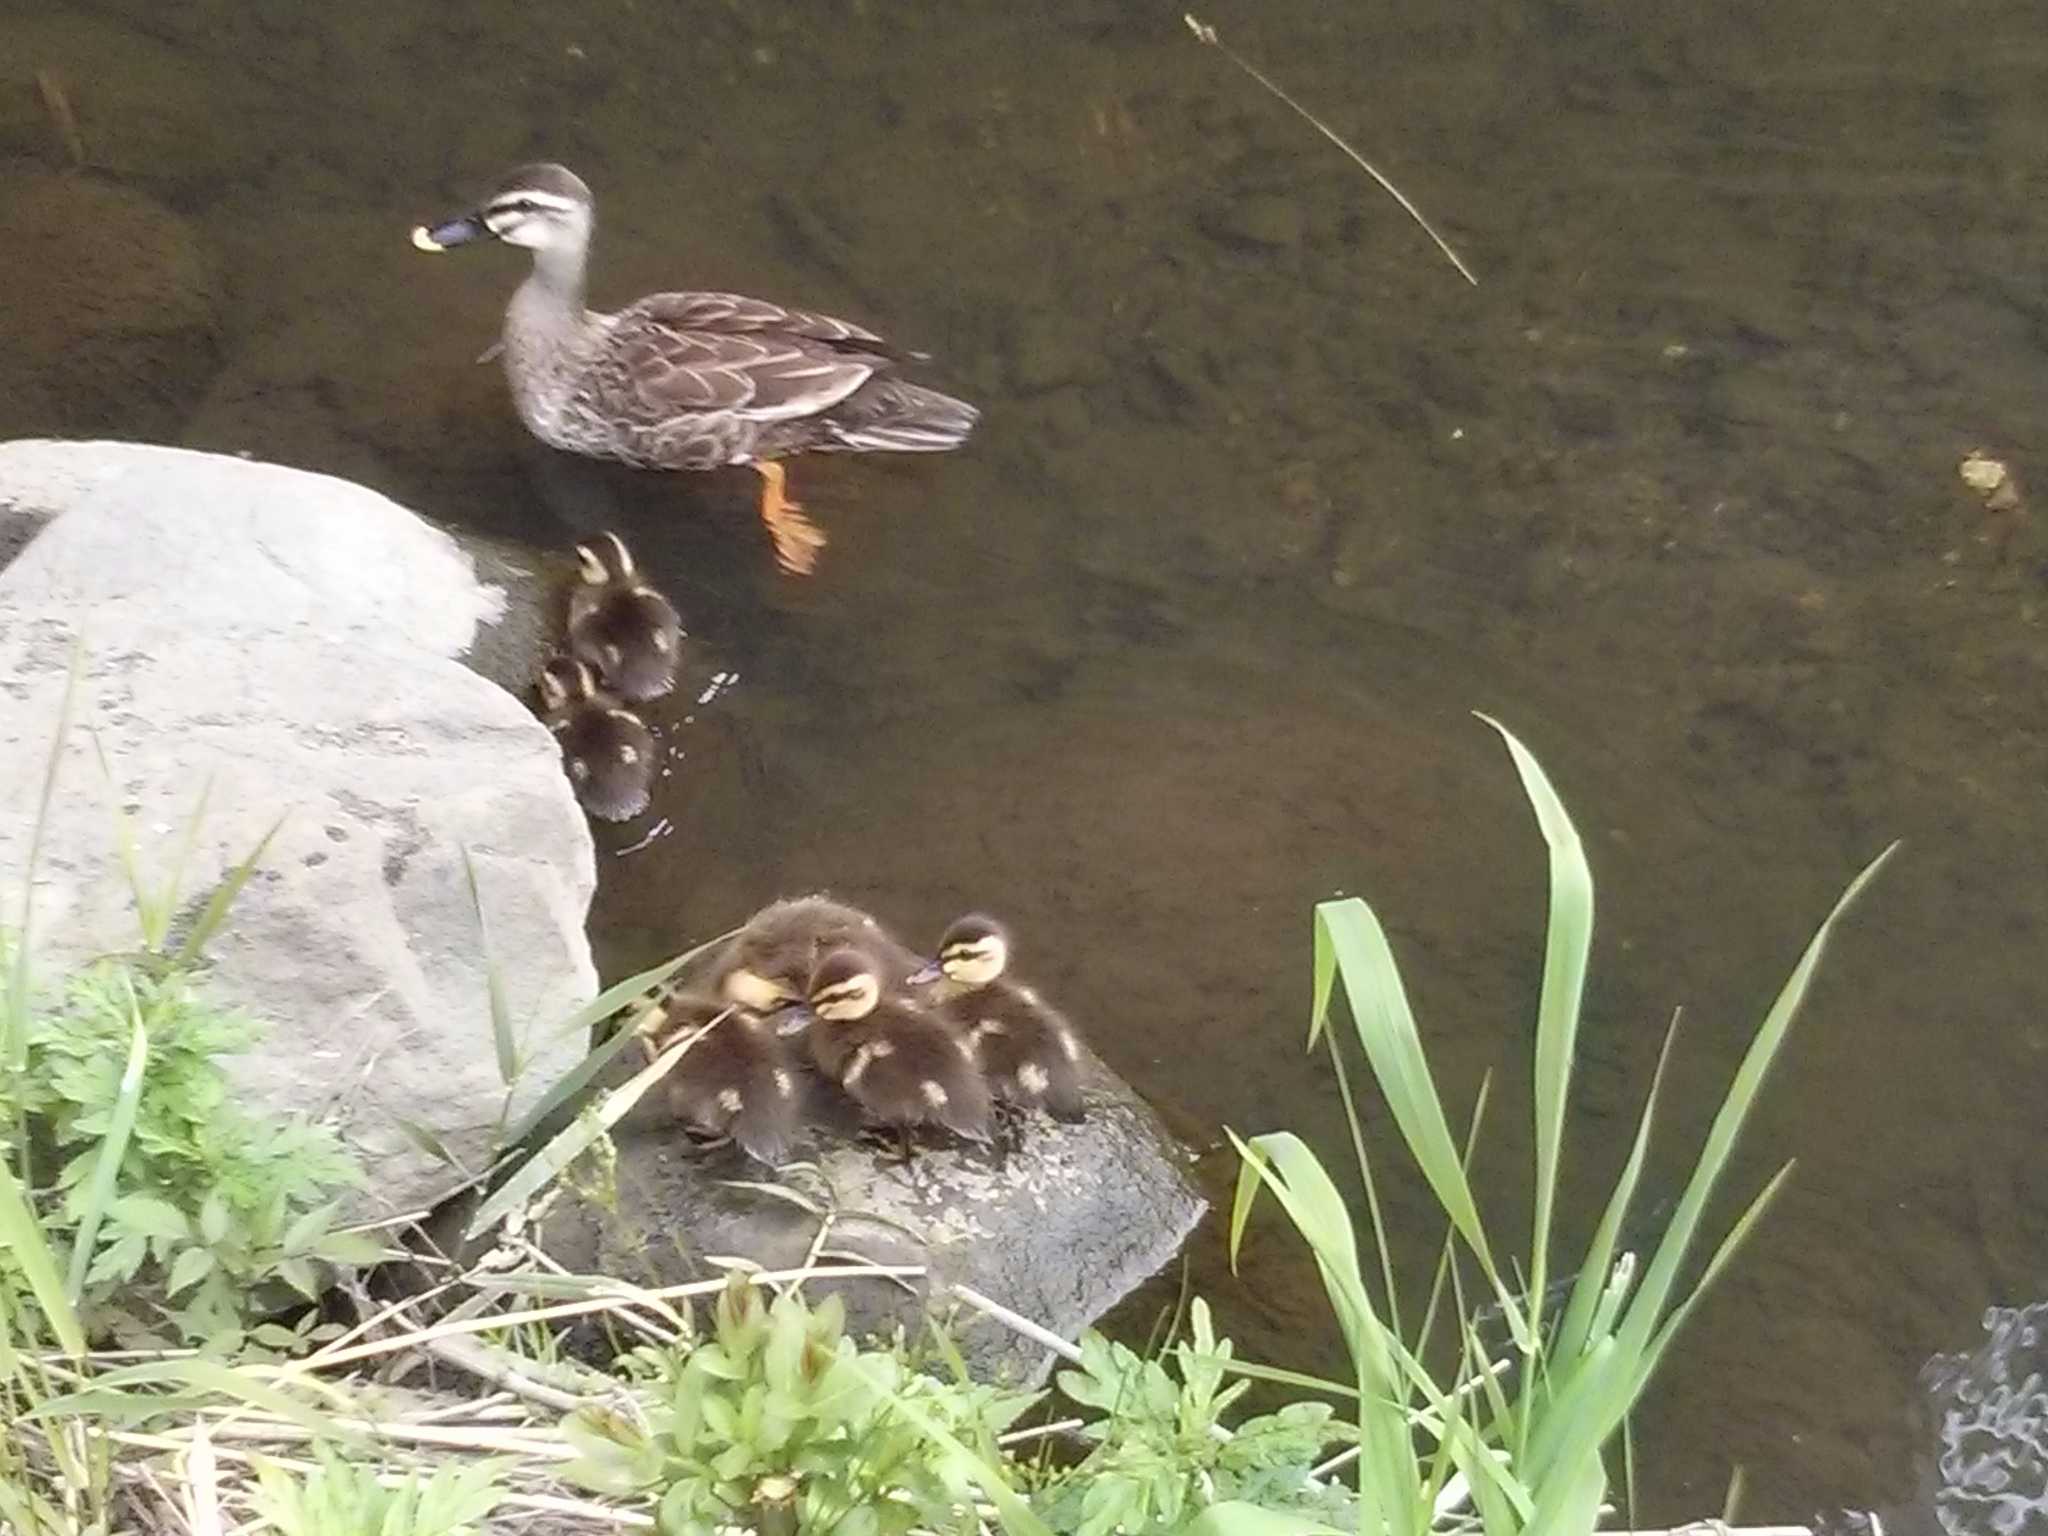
x=739, y=1079
x=768, y=964
x=900, y=1063
x=1028, y=1051
x=608, y=751
x=619, y=626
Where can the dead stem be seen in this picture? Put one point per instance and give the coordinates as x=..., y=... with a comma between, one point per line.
x=1207, y=34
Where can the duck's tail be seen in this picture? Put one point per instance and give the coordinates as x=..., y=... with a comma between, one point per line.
x=890, y=415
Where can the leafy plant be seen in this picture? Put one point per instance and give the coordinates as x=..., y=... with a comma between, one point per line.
x=339, y=1499
x=1162, y=1451
x=173, y=1196
x=1526, y=1452
x=780, y=1422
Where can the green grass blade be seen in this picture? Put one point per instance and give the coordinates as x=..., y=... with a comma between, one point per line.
x=218, y=905
x=148, y=910
x=571, y=1143
x=1737, y=1235
x=1647, y=1309
x=1570, y=1340
x=181, y=860
x=113, y=1147
x=494, y=981
x=1387, y=1460
x=1567, y=943
x=583, y=1020
x=1386, y=1028
x=1235, y=1517
x=22, y=1236
x=24, y=938
x=1286, y=1378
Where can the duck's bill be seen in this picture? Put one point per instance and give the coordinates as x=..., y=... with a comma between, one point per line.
x=794, y=1020
x=451, y=233
x=923, y=976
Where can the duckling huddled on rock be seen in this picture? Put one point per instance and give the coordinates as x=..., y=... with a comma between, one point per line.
x=902, y=1064
x=739, y=1079
x=607, y=750
x=620, y=627
x=769, y=963
x=1029, y=1053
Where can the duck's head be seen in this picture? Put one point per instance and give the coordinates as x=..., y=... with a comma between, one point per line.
x=845, y=987
x=973, y=952
x=564, y=680
x=604, y=559
x=541, y=207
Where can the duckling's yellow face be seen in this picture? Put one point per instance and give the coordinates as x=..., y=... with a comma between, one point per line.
x=604, y=559
x=974, y=959
x=752, y=990
x=843, y=1000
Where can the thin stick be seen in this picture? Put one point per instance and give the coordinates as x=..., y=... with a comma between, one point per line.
x=1207, y=34
x=1016, y=1322
x=57, y=102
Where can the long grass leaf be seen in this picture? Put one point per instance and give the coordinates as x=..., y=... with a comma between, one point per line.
x=22, y=1236
x=1567, y=943
x=1387, y=1460
x=494, y=982
x=24, y=937
x=572, y=1142
x=175, y=880
x=1647, y=1309
x=1236, y=1517
x=1386, y=1028
x=1570, y=1340
x=1725, y=1251
x=113, y=1146
x=603, y=1006
x=218, y=905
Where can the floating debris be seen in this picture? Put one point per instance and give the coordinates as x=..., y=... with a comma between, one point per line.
x=1991, y=479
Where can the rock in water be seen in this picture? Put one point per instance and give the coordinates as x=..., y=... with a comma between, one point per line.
x=288, y=642
x=1060, y=1231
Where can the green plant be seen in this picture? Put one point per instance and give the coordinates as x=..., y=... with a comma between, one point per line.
x=174, y=1200
x=338, y=1499
x=1527, y=1452
x=779, y=1421
x=1162, y=1451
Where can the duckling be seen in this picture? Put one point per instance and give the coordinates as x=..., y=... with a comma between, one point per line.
x=738, y=1080
x=608, y=750
x=619, y=626
x=690, y=380
x=769, y=962
x=1028, y=1051
x=899, y=1062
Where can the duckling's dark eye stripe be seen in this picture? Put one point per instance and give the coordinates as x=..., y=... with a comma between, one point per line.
x=528, y=202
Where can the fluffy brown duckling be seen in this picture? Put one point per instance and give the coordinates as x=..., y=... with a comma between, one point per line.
x=620, y=627
x=739, y=1080
x=607, y=750
x=769, y=963
x=1029, y=1053
x=900, y=1063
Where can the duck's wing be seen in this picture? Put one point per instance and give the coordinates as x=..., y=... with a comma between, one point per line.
x=696, y=353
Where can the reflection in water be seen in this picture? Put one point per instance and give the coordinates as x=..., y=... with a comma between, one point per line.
x=1264, y=501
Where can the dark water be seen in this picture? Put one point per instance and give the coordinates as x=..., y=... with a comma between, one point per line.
x=1266, y=500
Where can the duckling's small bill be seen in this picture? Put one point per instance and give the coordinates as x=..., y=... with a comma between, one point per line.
x=449, y=233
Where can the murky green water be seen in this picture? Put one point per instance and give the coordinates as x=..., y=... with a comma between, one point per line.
x=1266, y=500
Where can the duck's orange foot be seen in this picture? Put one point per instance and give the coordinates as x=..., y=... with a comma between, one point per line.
x=797, y=538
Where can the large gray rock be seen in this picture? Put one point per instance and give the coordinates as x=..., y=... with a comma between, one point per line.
x=287, y=640
x=1059, y=1231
